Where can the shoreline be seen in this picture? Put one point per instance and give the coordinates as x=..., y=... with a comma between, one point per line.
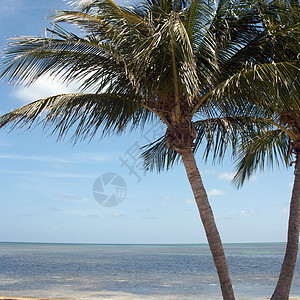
x=71, y=298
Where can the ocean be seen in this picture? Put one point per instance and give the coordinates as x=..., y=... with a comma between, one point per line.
x=138, y=271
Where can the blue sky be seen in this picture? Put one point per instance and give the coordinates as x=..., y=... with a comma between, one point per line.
x=46, y=186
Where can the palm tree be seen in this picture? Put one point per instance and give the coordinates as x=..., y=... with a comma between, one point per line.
x=277, y=144
x=179, y=62
x=278, y=141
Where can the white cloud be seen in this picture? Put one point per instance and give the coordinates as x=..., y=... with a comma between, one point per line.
x=42, y=88
x=117, y=215
x=48, y=174
x=70, y=197
x=84, y=156
x=49, y=159
x=143, y=210
x=29, y=214
x=230, y=175
x=78, y=2
x=166, y=197
x=247, y=213
x=189, y=201
x=253, y=178
x=93, y=156
x=207, y=172
x=284, y=210
x=241, y=213
x=215, y=192
x=226, y=176
x=82, y=212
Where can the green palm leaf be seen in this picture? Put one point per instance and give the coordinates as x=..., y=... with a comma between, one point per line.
x=217, y=134
x=262, y=85
x=86, y=113
x=261, y=149
x=157, y=156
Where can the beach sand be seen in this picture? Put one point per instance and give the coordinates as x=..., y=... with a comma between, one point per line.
x=125, y=298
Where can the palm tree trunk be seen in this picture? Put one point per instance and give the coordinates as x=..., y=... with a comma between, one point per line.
x=282, y=289
x=209, y=224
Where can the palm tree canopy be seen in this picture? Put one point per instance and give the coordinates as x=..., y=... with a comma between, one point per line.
x=180, y=61
x=279, y=139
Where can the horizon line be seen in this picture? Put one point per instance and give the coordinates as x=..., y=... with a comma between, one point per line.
x=133, y=244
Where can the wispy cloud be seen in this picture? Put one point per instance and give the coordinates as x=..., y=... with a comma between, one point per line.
x=49, y=174
x=77, y=157
x=92, y=216
x=53, y=209
x=82, y=212
x=215, y=192
x=117, y=215
x=229, y=176
x=208, y=172
x=10, y=6
x=49, y=159
x=42, y=88
x=189, y=201
x=93, y=156
x=226, y=176
x=143, y=210
x=284, y=210
x=70, y=197
x=253, y=178
x=242, y=213
x=3, y=142
x=247, y=213
x=29, y=214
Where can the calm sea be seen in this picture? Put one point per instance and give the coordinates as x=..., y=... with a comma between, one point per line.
x=137, y=271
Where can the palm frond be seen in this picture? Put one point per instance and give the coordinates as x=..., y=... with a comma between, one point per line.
x=235, y=24
x=101, y=18
x=214, y=136
x=247, y=38
x=83, y=114
x=84, y=21
x=157, y=157
x=199, y=17
x=261, y=149
x=269, y=87
x=185, y=58
x=217, y=135
x=67, y=56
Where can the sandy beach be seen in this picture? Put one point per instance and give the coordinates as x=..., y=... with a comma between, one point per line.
x=119, y=298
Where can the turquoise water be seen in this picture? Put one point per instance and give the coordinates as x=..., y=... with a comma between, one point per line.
x=137, y=271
